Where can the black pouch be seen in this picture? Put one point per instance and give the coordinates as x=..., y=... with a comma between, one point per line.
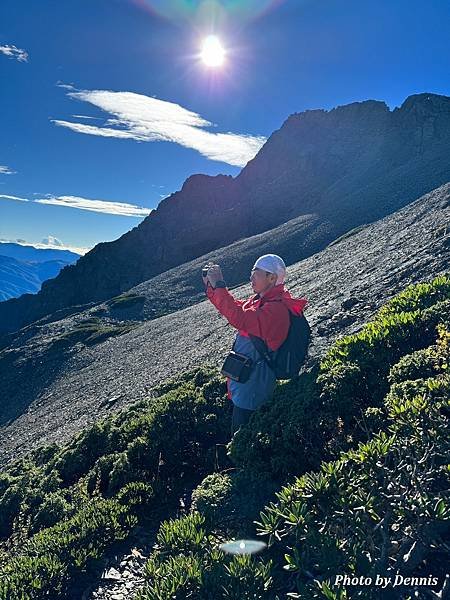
x=237, y=367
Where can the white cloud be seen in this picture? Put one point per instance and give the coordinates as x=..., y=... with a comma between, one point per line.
x=51, y=240
x=13, y=52
x=101, y=206
x=86, y=117
x=148, y=119
x=65, y=86
x=6, y=197
x=6, y=170
x=101, y=131
x=76, y=249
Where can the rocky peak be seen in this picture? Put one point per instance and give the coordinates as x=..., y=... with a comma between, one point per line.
x=198, y=192
x=426, y=104
x=424, y=120
x=199, y=182
x=354, y=110
x=365, y=107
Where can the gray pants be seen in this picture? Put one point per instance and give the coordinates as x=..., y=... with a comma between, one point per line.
x=240, y=417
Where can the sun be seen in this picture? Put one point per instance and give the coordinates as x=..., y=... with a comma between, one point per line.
x=213, y=53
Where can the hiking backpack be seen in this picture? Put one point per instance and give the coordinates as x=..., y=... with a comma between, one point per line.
x=287, y=361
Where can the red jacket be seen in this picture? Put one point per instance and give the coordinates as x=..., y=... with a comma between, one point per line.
x=266, y=317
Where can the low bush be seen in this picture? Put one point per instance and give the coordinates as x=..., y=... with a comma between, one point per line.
x=284, y=436
x=67, y=505
x=213, y=499
x=188, y=564
x=418, y=365
x=91, y=331
x=53, y=509
x=381, y=508
x=231, y=501
x=182, y=535
x=49, y=561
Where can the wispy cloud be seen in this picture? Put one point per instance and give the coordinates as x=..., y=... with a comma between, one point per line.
x=14, y=52
x=86, y=117
x=147, y=119
x=6, y=197
x=6, y=170
x=66, y=86
x=101, y=206
x=50, y=243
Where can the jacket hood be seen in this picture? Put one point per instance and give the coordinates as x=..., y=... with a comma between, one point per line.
x=280, y=293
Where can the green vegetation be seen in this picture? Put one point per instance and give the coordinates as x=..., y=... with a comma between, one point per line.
x=373, y=417
x=381, y=508
x=47, y=561
x=126, y=301
x=92, y=331
x=66, y=506
x=345, y=471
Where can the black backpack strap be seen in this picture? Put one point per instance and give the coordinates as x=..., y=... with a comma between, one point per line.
x=262, y=350
x=261, y=346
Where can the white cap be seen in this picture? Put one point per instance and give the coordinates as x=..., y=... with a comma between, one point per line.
x=272, y=263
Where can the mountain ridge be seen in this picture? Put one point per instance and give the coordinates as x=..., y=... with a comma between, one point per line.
x=350, y=165
x=34, y=254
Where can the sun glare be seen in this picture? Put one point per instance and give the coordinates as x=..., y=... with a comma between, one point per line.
x=213, y=54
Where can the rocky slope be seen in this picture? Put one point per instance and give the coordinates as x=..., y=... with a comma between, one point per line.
x=348, y=166
x=61, y=375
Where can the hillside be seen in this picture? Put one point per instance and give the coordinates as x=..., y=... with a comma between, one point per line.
x=60, y=376
x=346, y=167
x=344, y=471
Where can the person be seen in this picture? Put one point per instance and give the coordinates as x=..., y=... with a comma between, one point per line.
x=265, y=315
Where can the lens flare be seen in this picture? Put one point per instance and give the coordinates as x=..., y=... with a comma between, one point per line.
x=246, y=10
x=212, y=53
x=243, y=547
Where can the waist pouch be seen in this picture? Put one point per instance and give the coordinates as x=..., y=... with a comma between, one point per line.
x=237, y=367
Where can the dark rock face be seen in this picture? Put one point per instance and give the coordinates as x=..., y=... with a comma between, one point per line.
x=348, y=166
x=49, y=391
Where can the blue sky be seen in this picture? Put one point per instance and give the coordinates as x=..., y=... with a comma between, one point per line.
x=106, y=105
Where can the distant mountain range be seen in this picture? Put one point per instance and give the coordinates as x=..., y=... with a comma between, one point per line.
x=30, y=253
x=23, y=269
x=340, y=169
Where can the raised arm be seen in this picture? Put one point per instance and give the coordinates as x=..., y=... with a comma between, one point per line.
x=270, y=322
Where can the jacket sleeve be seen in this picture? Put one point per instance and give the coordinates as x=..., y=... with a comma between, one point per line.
x=214, y=295
x=270, y=322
